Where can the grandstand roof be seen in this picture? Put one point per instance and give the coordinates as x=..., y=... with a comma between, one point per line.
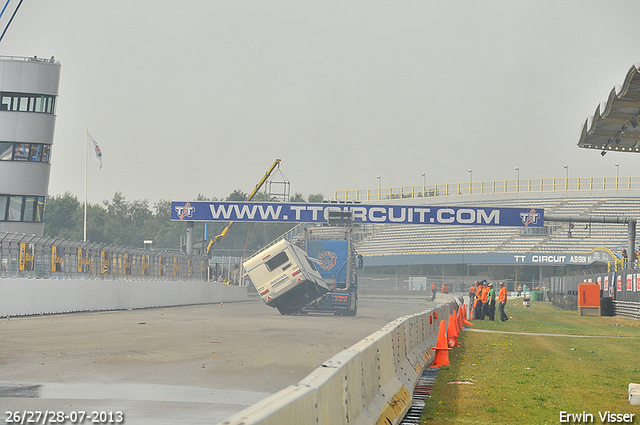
x=614, y=125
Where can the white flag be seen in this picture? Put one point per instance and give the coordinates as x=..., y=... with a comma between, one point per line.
x=98, y=152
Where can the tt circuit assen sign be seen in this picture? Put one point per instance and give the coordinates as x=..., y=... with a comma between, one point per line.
x=373, y=214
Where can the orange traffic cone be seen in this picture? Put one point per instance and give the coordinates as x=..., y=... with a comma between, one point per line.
x=459, y=320
x=464, y=317
x=452, y=332
x=454, y=318
x=472, y=311
x=442, y=354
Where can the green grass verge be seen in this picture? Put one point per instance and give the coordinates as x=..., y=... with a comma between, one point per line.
x=530, y=379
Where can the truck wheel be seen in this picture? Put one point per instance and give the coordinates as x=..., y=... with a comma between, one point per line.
x=354, y=310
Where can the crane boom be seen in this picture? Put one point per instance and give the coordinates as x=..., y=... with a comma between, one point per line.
x=226, y=229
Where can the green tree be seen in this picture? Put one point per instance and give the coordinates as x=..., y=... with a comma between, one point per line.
x=237, y=195
x=317, y=197
x=125, y=222
x=63, y=217
x=297, y=197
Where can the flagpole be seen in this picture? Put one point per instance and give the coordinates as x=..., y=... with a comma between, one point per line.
x=85, y=184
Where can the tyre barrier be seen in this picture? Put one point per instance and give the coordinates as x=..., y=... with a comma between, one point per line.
x=627, y=309
x=370, y=382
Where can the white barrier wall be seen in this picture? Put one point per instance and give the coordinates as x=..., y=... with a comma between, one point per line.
x=368, y=383
x=19, y=297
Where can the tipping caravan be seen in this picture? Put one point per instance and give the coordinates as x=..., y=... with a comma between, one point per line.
x=285, y=277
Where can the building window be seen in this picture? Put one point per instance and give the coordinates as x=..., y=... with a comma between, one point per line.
x=22, y=208
x=14, y=212
x=45, y=153
x=30, y=204
x=34, y=152
x=6, y=151
x=27, y=102
x=40, y=210
x=4, y=201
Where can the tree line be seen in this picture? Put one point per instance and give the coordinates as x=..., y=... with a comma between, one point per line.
x=122, y=222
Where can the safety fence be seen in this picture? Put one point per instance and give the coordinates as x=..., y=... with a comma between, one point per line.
x=621, y=285
x=370, y=382
x=489, y=187
x=619, y=289
x=28, y=256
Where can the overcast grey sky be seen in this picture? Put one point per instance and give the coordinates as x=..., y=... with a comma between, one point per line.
x=201, y=96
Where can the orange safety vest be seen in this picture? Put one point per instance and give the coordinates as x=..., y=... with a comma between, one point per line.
x=502, y=296
x=472, y=290
x=485, y=294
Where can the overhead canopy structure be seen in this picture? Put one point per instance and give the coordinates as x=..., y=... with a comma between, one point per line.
x=614, y=125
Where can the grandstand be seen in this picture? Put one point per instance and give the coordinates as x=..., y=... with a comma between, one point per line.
x=579, y=247
x=553, y=238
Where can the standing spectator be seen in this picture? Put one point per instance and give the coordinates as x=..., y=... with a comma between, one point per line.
x=472, y=293
x=502, y=302
x=485, y=300
x=491, y=307
x=478, y=306
x=519, y=290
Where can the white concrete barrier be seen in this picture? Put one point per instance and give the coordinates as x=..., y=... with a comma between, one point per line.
x=368, y=383
x=20, y=297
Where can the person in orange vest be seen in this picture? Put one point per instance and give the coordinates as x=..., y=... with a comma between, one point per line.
x=433, y=291
x=502, y=302
x=472, y=293
x=485, y=300
x=477, y=305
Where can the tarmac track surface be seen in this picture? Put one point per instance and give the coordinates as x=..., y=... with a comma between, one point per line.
x=188, y=365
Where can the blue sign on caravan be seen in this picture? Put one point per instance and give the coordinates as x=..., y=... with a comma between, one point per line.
x=373, y=214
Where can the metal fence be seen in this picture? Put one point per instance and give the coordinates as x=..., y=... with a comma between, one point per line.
x=28, y=256
x=620, y=285
x=490, y=187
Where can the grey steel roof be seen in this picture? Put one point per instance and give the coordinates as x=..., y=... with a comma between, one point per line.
x=614, y=125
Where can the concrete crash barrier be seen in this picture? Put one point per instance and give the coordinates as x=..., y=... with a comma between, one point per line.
x=21, y=297
x=634, y=394
x=368, y=383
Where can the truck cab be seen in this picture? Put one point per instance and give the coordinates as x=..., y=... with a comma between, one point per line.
x=337, y=262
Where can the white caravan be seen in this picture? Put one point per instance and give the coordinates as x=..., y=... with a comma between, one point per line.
x=285, y=277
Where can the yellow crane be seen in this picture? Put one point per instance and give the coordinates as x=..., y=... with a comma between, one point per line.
x=226, y=229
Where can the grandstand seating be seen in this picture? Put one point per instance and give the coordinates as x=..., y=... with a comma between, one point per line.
x=438, y=239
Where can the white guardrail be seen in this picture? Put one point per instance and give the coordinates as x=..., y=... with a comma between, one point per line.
x=368, y=383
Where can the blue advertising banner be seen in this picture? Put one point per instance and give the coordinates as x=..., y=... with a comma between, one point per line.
x=373, y=214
